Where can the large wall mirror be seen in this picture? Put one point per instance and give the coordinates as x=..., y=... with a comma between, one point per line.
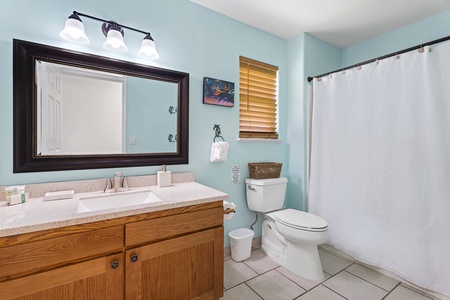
x=80, y=111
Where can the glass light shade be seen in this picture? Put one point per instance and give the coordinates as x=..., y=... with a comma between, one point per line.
x=74, y=31
x=114, y=41
x=148, y=49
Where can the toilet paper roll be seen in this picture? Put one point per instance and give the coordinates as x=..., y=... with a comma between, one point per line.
x=228, y=205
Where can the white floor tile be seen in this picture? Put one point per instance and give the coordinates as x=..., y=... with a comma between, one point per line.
x=260, y=262
x=236, y=273
x=331, y=263
x=354, y=288
x=274, y=286
x=385, y=282
x=240, y=292
x=304, y=283
x=402, y=293
x=356, y=282
x=320, y=293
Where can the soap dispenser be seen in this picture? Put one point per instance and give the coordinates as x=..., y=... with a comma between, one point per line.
x=164, y=177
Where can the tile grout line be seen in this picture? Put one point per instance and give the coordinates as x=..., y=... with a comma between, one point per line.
x=334, y=291
x=403, y=281
x=306, y=290
x=368, y=280
x=404, y=285
x=334, y=276
x=346, y=269
x=391, y=291
x=273, y=269
x=257, y=275
x=253, y=290
x=331, y=276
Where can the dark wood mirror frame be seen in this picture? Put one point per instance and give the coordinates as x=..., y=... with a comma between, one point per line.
x=25, y=110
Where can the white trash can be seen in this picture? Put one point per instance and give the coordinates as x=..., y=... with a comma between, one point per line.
x=241, y=243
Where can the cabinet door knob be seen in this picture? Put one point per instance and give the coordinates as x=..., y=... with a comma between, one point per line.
x=114, y=264
x=134, y=258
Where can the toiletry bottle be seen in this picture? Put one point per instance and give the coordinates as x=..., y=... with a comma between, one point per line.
x=164, y=177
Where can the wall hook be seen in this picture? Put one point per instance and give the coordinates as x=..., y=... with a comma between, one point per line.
x=172, y=139
x=173, y=110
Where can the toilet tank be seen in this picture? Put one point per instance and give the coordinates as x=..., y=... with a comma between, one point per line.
x=264, y=195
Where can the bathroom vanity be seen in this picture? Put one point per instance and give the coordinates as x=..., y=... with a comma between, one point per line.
x=167, y=250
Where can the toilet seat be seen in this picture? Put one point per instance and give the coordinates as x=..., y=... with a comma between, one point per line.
x=300, y=220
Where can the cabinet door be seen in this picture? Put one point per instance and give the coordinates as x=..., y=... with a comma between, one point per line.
x=97, y=279
x=187, y=267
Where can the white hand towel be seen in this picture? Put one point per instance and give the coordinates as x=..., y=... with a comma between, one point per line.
x=219, y=151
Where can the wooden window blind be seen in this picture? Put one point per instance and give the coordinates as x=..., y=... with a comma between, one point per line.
x=258, y=99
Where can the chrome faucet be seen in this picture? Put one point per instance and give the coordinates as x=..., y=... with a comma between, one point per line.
x=116, y=184
x=117, y=181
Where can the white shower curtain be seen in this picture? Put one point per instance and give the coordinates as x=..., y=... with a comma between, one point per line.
x=380, y=164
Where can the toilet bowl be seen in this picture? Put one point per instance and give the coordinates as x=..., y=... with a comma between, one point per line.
x=303, y=233
x=290, y=237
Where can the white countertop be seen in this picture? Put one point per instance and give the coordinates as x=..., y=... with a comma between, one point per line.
x=37, y=214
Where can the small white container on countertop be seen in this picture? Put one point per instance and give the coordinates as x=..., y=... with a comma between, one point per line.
x=164, y=177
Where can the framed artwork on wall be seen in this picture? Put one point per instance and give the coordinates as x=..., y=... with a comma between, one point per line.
x=218, y=92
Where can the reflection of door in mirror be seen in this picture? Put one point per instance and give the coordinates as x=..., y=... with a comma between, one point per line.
x=81, y=111
x=50, y=103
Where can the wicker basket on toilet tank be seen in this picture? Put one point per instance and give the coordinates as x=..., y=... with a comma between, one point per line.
x=264, y=170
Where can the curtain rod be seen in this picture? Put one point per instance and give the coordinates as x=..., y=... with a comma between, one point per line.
x=383, y=57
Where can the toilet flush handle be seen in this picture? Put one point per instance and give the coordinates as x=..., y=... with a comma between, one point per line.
x=251, y=188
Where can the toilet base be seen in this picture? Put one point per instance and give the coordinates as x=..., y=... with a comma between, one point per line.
x=277, y=256
x=304, y=260
x=300, y=257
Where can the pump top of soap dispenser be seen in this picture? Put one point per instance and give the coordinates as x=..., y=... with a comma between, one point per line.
x=164, y=168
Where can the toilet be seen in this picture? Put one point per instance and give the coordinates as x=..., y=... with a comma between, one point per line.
x=289, y=236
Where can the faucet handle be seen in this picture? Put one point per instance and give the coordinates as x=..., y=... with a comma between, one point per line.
x=108, y=185
x=125, y=183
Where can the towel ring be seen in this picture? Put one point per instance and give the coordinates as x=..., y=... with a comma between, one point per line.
x=217, y=132
x=218, y=136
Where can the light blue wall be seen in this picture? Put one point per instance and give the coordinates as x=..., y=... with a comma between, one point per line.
x=306, y=56
x=320, y=56
x=198, y=41
x=148, y=117
x=189, y=38
x=295, y=138
x=423, y=31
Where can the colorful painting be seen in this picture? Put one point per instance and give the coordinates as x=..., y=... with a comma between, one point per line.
x=218, y=92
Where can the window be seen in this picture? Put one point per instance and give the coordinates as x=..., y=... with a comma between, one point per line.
x=258, y=99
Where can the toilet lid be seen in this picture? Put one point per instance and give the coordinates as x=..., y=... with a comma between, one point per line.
x=300, y=219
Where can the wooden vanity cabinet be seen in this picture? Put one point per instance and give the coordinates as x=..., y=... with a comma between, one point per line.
x=185, y=263
x=170, y=254
x=100, y=278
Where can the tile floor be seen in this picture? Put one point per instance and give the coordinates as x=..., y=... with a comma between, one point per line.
x=259, y=277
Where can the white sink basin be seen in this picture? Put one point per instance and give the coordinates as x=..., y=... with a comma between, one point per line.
x=101, y=202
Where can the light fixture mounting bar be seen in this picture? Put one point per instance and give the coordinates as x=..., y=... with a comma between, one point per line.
x=110, y=22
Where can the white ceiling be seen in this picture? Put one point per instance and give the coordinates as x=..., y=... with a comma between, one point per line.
x=342, y=23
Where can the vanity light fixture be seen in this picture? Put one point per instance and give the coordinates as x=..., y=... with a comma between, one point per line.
x=74, y=32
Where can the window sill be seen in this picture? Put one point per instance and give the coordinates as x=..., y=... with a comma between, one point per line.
x=255, y=140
